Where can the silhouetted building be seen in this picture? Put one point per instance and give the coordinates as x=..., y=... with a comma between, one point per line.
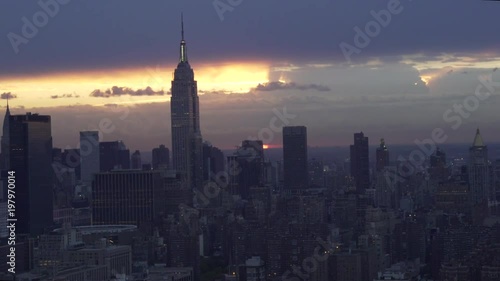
x=295, y=158
x=213, y=161
x=478, y=171
x=161, y=157
x=438, y=159
x=185, y=117
x=316, y=173
x=249, y=160
x=71, y=158
x=89, y=155
x=360, y=162
x=438, y=169
x=113, y=155
x=382, y=155
x=136, y=161
x=30, y=157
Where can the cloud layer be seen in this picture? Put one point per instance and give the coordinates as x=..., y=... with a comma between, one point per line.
x=116, y=91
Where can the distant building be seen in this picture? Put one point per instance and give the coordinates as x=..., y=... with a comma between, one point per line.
x=478, y=172
x=438, y=169
x=382, y=156
x=162, y=272
x=253, y=270
x=360, y=162
x=136, y=160
x=316, y=173
x=161, y=157
x=249, y=162
x=89, y=155
x=64, y=254
x=213, y=161
x=295, y=158
x=113, y=155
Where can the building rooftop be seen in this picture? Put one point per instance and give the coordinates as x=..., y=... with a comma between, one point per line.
x=95, y=229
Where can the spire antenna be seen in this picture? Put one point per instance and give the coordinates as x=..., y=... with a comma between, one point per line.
x=182, y=26
x=183, y=54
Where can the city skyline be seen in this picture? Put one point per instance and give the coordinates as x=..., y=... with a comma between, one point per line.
x=418, y=81
x=249, y=140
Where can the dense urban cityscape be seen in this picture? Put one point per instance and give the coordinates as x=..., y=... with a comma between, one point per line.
x=198, y=212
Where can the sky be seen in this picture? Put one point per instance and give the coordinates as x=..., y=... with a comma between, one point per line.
x=392, y=69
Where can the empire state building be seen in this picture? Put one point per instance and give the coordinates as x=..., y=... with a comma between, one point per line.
x=185, y=115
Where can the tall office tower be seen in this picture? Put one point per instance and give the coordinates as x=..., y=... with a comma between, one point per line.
x=113, y=155
x=89, y=156
x=136, y=161
x=30, y=157
x=382, y=155
x=249, y=160
x=185, y=117
x=295, y=158
x=213, y=161
x=360, y=162
x=478, y=170
x=161, y=157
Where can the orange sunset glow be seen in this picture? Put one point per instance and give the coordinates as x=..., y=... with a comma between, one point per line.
x=36, y=91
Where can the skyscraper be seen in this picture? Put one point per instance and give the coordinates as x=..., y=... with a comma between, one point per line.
x=113, y=155
x=213, y=161
x=249, y=158
x=30, y=156
x=89, y=156
x=136, y=161
x=161, y=157
x=360, y=162
x=478, y=169
x=185, y=118
x=295, y=157
x=382, y=155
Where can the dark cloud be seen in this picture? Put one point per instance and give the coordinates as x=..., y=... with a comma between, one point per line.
x=136, y=35
x=116, y=91
x=276, y=86
x=8, y=96
x=64, y=96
